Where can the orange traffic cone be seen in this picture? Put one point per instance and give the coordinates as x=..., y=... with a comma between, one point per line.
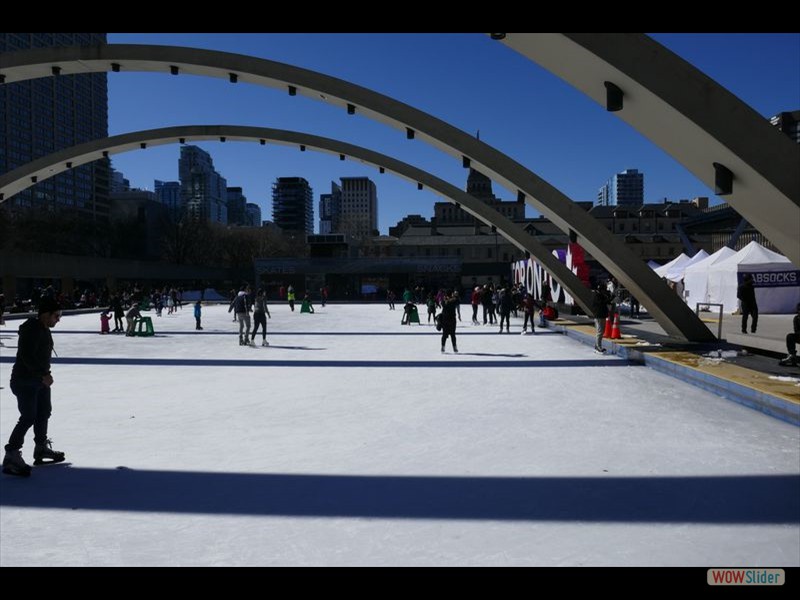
x=607, y=332
x=615, y=334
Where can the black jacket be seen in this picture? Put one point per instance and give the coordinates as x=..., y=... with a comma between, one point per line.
x=747, y=293
x=33, y=351
x=600, y=301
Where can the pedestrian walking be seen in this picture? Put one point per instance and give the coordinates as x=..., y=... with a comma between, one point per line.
x=747, y=294
x=600, y=301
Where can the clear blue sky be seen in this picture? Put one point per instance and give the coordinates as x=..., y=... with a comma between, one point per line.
x=469, y=80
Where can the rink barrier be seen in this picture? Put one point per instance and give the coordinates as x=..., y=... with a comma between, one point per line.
x=769, y=404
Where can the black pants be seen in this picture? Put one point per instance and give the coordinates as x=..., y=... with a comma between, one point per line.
x=198, y=322
x=748, y=310
x=260, y=318
x=33, y=401
x=447, y=331
x=528, y=315
x=474, y=313
x=791, y=342
x=118, y=322
x=505, y=317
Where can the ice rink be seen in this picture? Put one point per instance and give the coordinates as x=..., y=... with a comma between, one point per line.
x=351, y=440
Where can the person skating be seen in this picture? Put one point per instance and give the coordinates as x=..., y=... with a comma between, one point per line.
x=475, y=300
x=31, y=380
x=505, y=309
x=529, y=306
x=290, y=297
x=198, y=313
x=448, y=321
x=260, y=314
x=119, y=314
x=241, y=309
x=431, y=304
x=792, y=339
x=132, y=315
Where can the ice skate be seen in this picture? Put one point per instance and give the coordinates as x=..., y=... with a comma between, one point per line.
x=455, y=349
x=599, y=350
x=265, y=343
x=789, y=361
x=13, y=464
x=43, y=454
x=442, y=349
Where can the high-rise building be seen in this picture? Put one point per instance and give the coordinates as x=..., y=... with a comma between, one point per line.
x=252, y=213
x=40, y=116
x=358, y=210
x=626, y=188
x=329, y=207
x=168, y=193
x=788, y=123
x=293, y=204
x=117, y=182
x=204, y=193
x=236, y=206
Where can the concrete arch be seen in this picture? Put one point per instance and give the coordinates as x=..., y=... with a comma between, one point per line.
x=687, y=114
x=27, y=175
x=674, y=316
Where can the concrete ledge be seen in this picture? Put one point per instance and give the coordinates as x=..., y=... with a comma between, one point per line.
x=774, y=405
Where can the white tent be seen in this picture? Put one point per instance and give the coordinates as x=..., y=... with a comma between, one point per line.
x=676, y=273
x=675, y=262
x=776, y=279
x=695, y=278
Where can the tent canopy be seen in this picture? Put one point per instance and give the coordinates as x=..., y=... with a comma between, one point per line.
x=676, y=273
x=695, y=278
x=777, y=281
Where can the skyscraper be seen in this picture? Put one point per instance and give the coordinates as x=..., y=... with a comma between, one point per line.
x=236, y=206
x=168, y=193
x=293, y=204
x=329, y=207
x=204, y=193
x=40, y=116
x=358, y=213
x=252, y=214
x=623, y=188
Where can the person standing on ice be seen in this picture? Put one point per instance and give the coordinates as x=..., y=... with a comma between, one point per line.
x=448, y=320
x=260, y=314
x=30, y=383
x=241, y=309
x=290, y=297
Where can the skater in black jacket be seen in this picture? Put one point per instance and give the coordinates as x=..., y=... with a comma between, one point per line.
x=30, y=382
x=448, y=320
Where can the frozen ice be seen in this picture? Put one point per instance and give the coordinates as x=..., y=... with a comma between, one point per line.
x=351, y=440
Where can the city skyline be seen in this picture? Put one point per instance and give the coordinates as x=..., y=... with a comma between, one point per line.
x=467, y=80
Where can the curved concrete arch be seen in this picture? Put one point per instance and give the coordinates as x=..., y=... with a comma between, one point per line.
x=27, y=175
x=687, y=114
x=674, y=316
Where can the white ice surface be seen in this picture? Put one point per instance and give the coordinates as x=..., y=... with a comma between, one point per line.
x=369, y=447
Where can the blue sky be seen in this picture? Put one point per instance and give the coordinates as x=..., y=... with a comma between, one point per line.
x=469, y=80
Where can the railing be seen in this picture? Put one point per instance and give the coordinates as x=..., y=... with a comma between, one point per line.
x=719, y=325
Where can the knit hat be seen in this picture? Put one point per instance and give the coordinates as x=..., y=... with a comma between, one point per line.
x=48, y=305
